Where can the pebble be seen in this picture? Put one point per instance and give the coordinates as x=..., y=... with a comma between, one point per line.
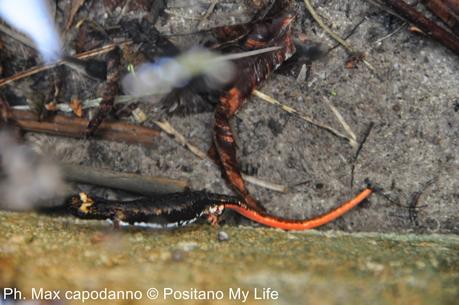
x=222, y=236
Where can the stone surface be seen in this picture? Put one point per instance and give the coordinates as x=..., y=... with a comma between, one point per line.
x=304, y=268
x=413, y=104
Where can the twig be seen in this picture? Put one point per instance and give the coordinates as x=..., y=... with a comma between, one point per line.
x=83, y=55
x=381, y=6
x=302, y=116
x=347, y=46
x=448, y=11
x=351, y=32
x=413, y=203
x=265, y=184
x=62, y=125
x=359, y=149
x=426, y=25
x=340, y=118
x=208, y=12
x=378, y=41
x=179, y=138
x=145, y=185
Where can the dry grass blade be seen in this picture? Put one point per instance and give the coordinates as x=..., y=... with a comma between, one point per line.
x=342, y=122
x=265, y=184
x=335, y=36
x=208, y=12
x=167, y=128
x=304, y=117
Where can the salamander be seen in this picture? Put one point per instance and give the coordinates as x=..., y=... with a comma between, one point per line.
x=180, y=209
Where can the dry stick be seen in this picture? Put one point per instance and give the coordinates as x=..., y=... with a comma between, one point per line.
x=179, y=138
x=145, y=185
x=426, y=25
x=446, y=11
x=348, y=47
x=304, y=117
x=83, y=55
x=62, y=125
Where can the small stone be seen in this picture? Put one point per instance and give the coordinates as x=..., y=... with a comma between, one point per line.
x=222, y=236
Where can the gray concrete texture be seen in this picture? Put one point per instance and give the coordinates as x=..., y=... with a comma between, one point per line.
x=413, y=105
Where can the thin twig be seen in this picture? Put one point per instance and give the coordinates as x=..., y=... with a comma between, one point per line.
x=351, y=32
x=343, y=123
x=426, y=25
x=179, y=138
x=413, y=203
x=208, y=12
x=335, y=36
x=378, y=41
x=359, y=149
x=381, y=6
x=38, y=69
x=302, y=116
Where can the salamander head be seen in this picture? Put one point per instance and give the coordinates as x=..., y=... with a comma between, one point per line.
x=81, y=203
